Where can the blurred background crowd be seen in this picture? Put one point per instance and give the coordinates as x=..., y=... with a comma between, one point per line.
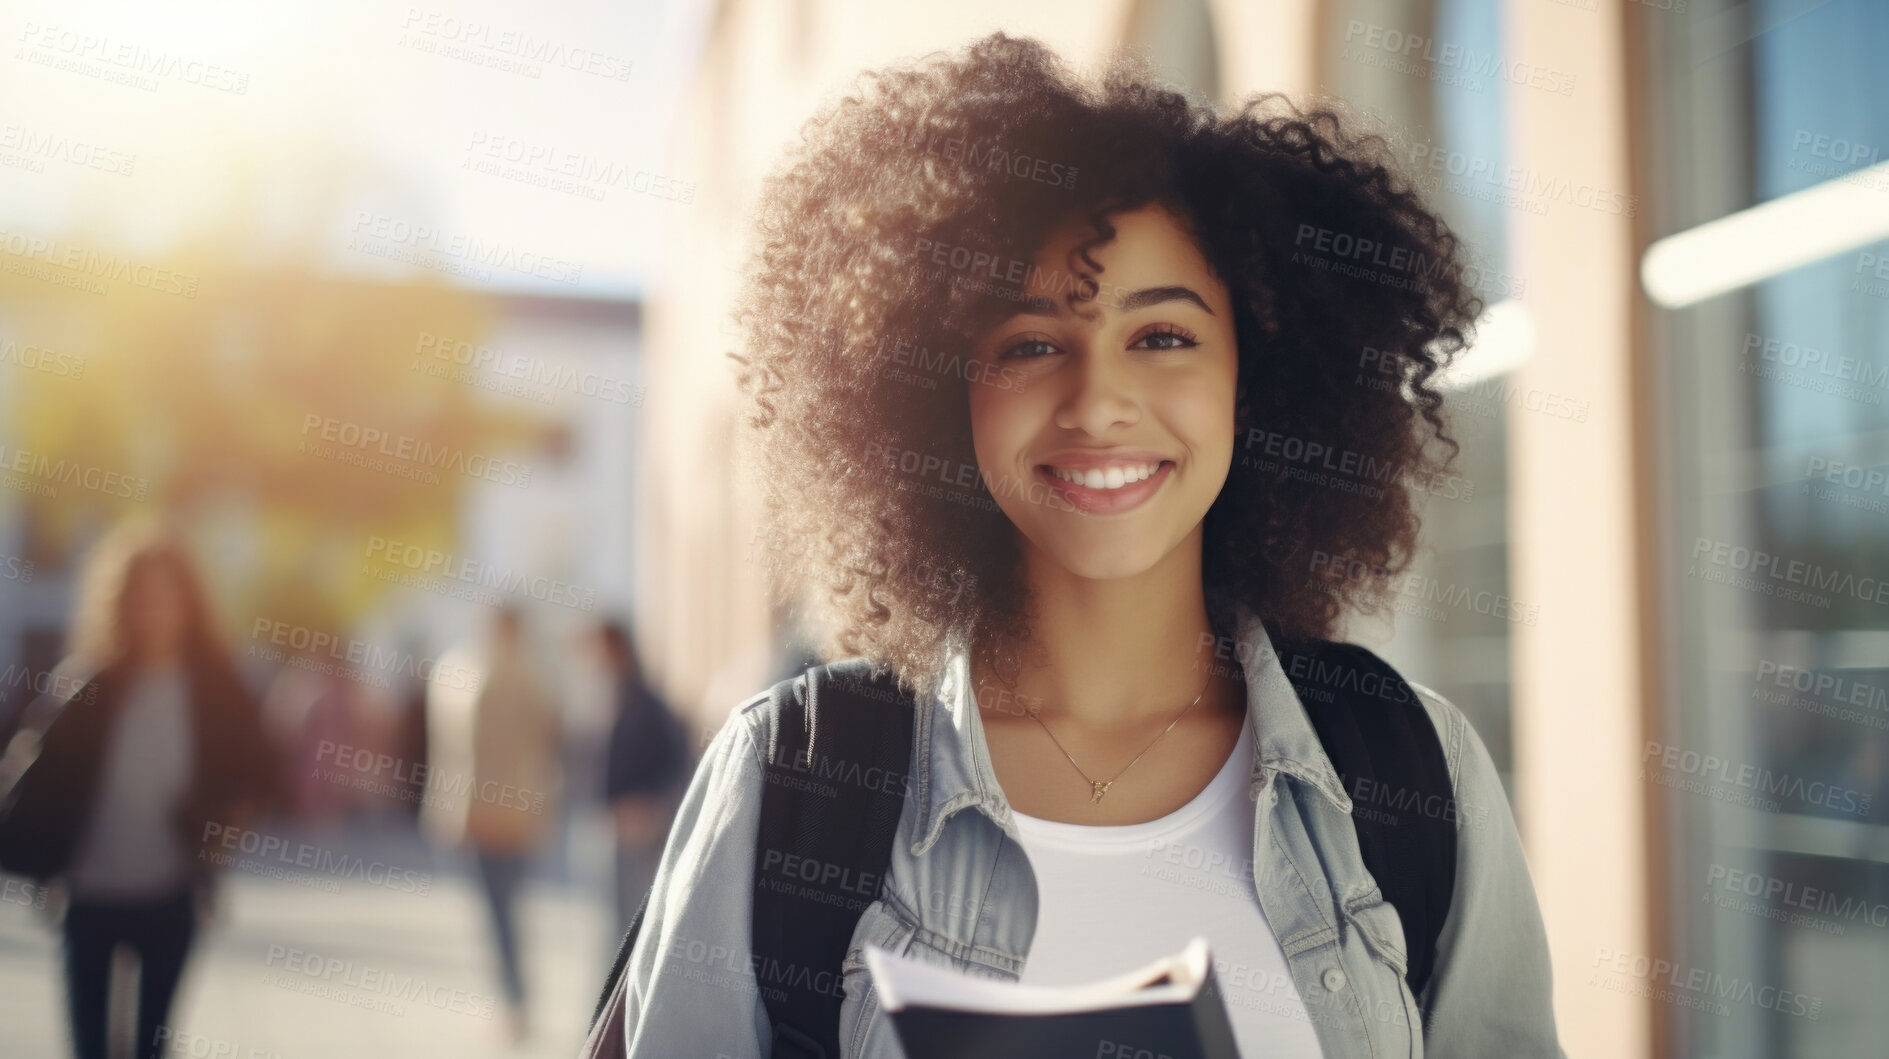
x=373, y=486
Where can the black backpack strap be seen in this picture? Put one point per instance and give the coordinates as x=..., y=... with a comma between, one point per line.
x=1379, y=737
x=838, y=750
x=839, y=743
x=622, y=960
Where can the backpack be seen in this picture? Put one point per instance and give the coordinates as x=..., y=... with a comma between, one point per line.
x=1372, y=726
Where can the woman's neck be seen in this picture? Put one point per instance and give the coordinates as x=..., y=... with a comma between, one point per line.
x=1119, y=651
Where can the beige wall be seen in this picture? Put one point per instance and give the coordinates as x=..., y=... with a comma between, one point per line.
x=1575, y=522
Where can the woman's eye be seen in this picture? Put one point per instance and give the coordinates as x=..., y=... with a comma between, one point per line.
x=1027, y=349
x=1165, y=339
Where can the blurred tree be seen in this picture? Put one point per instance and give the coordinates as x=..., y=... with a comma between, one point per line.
x=201, y=403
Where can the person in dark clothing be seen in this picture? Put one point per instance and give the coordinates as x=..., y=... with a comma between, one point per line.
x=157, y=753
x=649, y=760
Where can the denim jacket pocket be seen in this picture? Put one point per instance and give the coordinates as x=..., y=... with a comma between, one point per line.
x=1392, y=1010
x=863, y=1035
x=1376, y=920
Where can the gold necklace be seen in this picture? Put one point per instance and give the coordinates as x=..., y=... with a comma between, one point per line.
x=1097, y=788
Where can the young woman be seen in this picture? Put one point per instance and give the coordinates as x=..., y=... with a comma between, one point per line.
x=158, y=752
x=1080, y=396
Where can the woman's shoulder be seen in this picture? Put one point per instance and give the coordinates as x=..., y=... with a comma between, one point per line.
x=749, y=730
x=740, y=739
x=78, y=699
x=1447, y=719
x=1480, y=797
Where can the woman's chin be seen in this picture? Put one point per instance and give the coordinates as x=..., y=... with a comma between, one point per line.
x=1098, y=563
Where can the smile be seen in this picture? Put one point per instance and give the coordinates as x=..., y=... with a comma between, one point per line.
x=1107, y=490
x=1108, y=477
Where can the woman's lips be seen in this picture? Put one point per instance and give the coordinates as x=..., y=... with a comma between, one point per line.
x=1106, y=501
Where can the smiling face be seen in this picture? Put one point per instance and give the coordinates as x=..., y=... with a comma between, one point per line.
x=1119, y=432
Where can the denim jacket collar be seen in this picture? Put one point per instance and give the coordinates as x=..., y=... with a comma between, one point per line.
x=951, y=760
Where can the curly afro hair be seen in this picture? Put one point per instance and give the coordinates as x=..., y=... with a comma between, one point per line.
x=892, y=234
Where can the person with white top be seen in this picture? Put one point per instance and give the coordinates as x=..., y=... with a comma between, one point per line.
x=1077, y=402
x=153, y=755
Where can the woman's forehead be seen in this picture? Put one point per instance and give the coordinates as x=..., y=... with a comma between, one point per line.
x=1146, y=237
x=1148, y=251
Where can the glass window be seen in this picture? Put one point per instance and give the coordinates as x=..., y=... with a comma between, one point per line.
x=1773, y=759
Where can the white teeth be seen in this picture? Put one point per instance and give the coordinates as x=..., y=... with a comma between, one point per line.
x=1111, y=478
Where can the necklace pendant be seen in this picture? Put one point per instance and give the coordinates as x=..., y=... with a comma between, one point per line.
x=1097, y=790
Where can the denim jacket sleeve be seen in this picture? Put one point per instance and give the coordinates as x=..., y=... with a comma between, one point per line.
x=691, y=989
x=1490, y=993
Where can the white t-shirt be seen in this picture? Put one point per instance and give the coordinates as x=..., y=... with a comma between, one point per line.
x=131, y=848
x=1113, y=899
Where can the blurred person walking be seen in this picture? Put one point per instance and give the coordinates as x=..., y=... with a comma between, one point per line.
x=498, y=742
x=648, y=765
x=160, y=747
x=304, y=709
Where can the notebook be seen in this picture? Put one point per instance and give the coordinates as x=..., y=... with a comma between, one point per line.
x=1170, y=1009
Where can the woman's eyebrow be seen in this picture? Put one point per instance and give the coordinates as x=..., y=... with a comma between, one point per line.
x=1140, y=299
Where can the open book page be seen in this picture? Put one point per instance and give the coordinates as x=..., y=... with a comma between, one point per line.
x=904, y=983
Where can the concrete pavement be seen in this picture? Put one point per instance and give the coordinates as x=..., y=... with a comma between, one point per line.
x=348, y=943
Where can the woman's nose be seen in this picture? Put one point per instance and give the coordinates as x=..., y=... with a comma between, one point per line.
x=1101, y=396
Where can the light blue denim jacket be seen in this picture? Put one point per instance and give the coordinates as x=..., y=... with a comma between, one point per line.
x=960, y=893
